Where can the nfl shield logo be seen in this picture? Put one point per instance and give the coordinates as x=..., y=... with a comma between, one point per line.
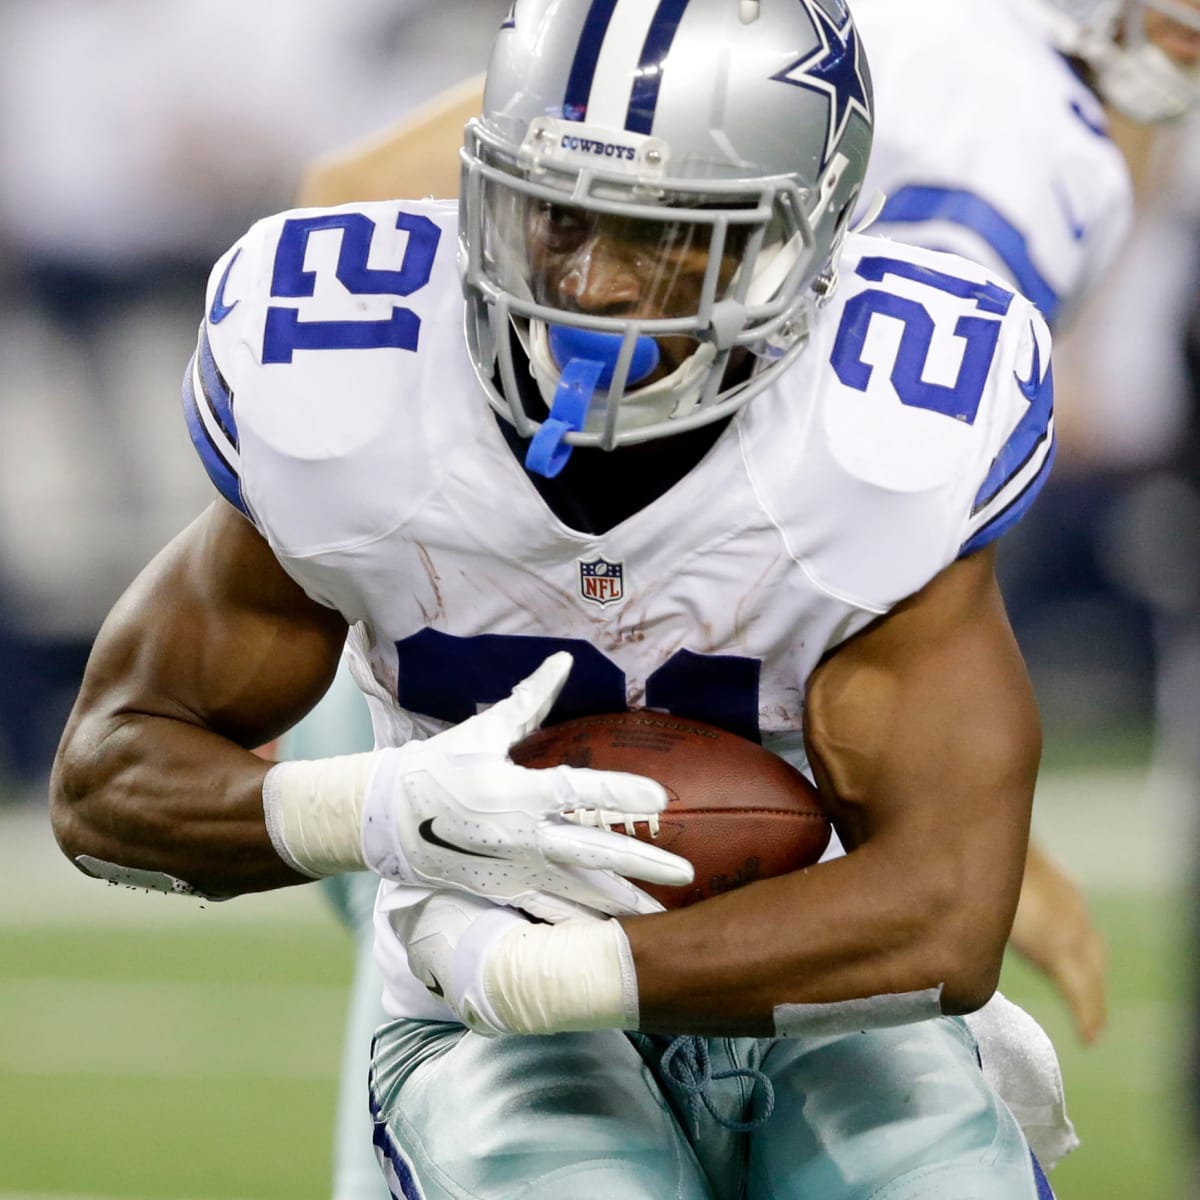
x=601, y=582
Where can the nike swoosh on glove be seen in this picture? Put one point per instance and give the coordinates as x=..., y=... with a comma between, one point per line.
x=455, y=811
x=429, y=936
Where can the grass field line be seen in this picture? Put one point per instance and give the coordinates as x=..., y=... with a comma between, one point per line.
x=92, y=1196
x=139, y=1028
x=38, y=886
x=50, y=1068
x=41, y=992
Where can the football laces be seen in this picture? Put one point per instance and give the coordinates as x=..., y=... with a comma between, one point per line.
x=610, y=820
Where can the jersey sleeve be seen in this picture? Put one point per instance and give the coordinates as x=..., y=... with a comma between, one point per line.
x=1021, y=434
x=208, y=397
x=921, y=422
x=324, y=335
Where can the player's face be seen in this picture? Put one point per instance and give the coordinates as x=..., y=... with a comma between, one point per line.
x=615, y=266
x=1177, y=36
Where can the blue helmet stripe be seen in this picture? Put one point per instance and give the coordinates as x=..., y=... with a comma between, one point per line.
x=1013, y=511
x=224, y=477
x=644, y=98
x=216, y=392
x=587, y=54
x=912, y=205
x=1031, y=431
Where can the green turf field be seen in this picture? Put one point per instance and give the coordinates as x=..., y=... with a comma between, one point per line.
x=154, y=1049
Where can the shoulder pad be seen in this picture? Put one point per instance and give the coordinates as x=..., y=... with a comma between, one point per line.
x=928, y=421
x=309, y=345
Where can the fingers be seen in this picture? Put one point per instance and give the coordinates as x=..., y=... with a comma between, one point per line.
x=514, y=717
x=602, y=850
x=555, y=909
x=594, y=894
x=532, y=699
x=1055, y=931
x=619, y=791
x=1081, y=979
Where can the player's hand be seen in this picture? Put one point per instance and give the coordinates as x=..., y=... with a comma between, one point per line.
x=444, y=941
x=1054, y=930
x=455, y=811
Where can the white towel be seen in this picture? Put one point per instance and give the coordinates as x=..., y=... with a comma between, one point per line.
x=1020, y=1063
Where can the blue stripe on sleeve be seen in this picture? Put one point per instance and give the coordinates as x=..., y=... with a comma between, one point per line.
x=587, y=54
x=644, y=99
x=1092, y=124
x=216, y=392
x=1023, y=442
x=222, y=474
x=1013, y=512
x=912, y=205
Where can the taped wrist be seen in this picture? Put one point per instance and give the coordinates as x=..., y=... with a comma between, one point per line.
x=850, y=1016
x=313, y=810
x=578, y=975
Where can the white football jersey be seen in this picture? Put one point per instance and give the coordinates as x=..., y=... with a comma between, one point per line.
x=332, y=400
x=988, y=145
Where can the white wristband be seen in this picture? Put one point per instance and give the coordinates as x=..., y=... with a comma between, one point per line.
x=313, y=811
x=578, y=975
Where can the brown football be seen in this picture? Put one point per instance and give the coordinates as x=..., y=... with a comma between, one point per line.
x=736, y=811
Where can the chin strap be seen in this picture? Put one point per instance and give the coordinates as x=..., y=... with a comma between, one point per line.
x=675, y=395
x=591, y=360
x=549, y=450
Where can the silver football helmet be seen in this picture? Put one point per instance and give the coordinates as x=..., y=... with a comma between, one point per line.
x=652, y=204
x=1144, y=54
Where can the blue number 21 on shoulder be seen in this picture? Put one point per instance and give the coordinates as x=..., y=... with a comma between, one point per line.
x=285, y=333
x=981, y=333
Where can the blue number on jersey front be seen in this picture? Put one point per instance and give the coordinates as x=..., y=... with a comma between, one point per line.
x=450, y=677
x=981, y=333
x=285, y=333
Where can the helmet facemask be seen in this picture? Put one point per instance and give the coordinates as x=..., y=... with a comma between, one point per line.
x=689, y=295
x=643, y=243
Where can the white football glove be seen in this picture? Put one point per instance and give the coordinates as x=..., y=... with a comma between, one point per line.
x=429, y=934
x=497, y=972
x=455, y=811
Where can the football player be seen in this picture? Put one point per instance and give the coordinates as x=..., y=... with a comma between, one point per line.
x=791, y=449
x=1024, y=179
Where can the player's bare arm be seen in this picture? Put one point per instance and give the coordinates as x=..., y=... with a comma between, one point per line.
x=921, y=731
x=416, y=156
x=1053, y=929
x=212, y=651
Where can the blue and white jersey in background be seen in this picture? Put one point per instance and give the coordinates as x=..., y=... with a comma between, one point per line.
x=988, y=145
x=333, y=401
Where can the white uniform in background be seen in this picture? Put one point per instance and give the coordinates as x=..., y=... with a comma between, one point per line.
x=988, y=144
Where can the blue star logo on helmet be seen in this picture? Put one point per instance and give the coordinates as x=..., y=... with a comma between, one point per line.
x=836, y=68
